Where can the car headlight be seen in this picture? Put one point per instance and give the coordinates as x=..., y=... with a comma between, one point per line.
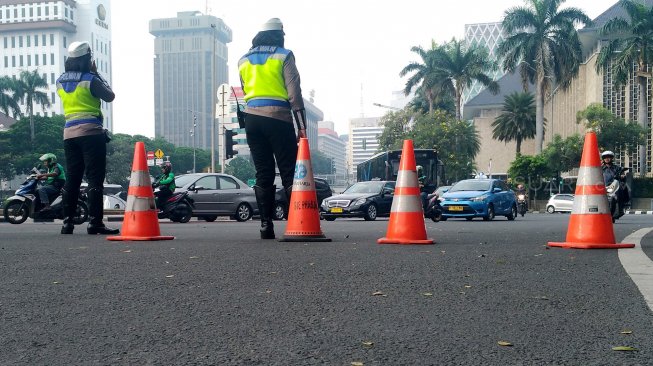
x=521, y=197
x=324, y=202
x=359, y=202
x=479, y=198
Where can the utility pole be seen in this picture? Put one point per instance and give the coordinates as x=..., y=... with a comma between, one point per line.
x=224, y=92
x=192, y=136
x=213, y=80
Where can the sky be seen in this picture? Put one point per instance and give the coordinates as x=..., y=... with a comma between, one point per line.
x=349, y=52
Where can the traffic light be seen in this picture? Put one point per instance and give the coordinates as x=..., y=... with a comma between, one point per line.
x=229, y=143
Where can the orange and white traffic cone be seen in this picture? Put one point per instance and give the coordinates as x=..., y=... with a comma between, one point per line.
x=140, y=222
x=303, y=210
x=590, y=223
x=406, y=224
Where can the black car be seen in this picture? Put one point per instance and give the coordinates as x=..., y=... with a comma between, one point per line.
x=322, y=189
x=363, y=199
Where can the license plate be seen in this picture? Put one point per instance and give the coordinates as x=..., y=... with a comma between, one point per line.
x=336, y=210
x=455, y=208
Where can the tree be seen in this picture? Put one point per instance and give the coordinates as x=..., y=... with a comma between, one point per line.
x=27, y=86
x=630, y=43
x=517, y=122
x=563, y=155
x=241, y=168
x=543, y=42
x=612, y=133
x=429, y=79
x=461, y=65
x=8, y=100
x=529, y=169
x=395, y=129
x=444, y=102
x=320, y=163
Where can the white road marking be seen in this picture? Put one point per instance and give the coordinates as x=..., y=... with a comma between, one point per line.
x=638, y=265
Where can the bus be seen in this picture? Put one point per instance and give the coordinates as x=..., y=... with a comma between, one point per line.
x=385, y=165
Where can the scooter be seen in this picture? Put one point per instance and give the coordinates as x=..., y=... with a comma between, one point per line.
x=614, y=191
x=178, y=207
x=521, y=204
x=26, y=203
x=433, y=209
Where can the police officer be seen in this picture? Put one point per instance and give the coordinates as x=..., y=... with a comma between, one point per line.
x=55, y=178
x=81, y=89
x=271, y=84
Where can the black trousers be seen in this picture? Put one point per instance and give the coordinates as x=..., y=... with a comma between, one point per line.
x=86, y=155
x=271, y=139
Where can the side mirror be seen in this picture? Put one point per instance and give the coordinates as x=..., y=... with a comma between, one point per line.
x=198, y=188
x=496, y=190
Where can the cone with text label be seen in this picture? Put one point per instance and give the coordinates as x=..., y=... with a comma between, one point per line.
x=303, y=210
x=140, y=222
x=590, y=223
x=406, y=225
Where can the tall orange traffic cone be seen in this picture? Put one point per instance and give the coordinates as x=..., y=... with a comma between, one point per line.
x=406, y=224
x=303, y=210
x=140, y=221
x=590, y=223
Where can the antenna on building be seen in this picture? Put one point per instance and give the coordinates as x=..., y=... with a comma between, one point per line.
x=362, y=110
x=312, y=95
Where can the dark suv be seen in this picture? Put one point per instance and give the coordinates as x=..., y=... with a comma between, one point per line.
x=322, y=189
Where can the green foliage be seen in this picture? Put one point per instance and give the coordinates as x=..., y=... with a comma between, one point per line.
x=529, y=169
x=612, y=133
x=8, y=100
x=642, y=187
x=395, y=129
x=517, y=122
x=30, y=86
x=241, y=168
x=22, y=156
x=563, y=155
x=320, y=163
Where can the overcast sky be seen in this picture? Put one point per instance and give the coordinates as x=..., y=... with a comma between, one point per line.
x=339, y=45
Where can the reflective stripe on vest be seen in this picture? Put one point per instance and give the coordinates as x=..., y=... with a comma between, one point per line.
x=79, y=105
x=261, y=71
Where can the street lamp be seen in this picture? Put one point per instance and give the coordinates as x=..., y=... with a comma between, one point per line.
x=213, y=93
x=192, y=136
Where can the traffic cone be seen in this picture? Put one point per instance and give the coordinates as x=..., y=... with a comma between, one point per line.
x=303, y=210
x=140, y=222
x=406, y=224
x=590, y=223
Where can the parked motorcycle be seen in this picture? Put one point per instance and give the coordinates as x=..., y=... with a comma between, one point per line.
x=615, y=192
x=433, y=209
x=521, y=204
x=178, y=207
x=25, y=203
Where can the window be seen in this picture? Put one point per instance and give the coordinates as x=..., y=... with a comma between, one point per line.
x=45, y=60
x=51, y=78
x=38, y=11
x=52, y=59
x=65, y=41
x=36, y=60
x=31, y=11
x=6, y=61
x=66, y=12
x=51, y=39
x=29, y=60
x=6, y=43
x=22, y=12
x=13, y=61
x=227, y=183
x=20, y=41
x=15, y=12
x=20, y=60
x=207, y=182
x=13, y=42
x=52, y=98
x=44, y=40
x=47, y=10
x=56, y=10
x=71, y=14
x=36, y=40
x=28, y=40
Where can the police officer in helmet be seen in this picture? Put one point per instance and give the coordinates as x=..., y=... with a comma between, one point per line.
x=612, y=172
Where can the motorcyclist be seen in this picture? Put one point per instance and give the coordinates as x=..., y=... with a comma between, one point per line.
x=521, y=190
x=611, y=172
x=55, y=178
x=166, y=184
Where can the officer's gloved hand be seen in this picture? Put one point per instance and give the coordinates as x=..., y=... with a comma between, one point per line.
x=300, y=121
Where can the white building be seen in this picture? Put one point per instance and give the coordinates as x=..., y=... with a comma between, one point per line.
x=332, y=146
x=363, y=140
x=34, y=35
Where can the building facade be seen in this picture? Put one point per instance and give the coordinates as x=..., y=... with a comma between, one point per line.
x=190, y=63
x=35, y=35
x=488, y=35
x=333, y=147
x=363, y=141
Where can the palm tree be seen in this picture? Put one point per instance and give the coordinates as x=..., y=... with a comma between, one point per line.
x=517, y=122
x=461, y=65
x=425, y=76
x=630, y=43
x=542, y=41
x=8, y=100
x=27, y=86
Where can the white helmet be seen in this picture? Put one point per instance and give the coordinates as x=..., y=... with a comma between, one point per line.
x=607, y=153
x=77, y=49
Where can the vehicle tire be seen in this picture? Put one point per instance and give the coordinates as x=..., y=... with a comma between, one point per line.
x=210, y=218
x=436, y=217
x=81, y=214
x=243, y=212
x=329, y=218
x=279, y=212
x=16, y=212
x=490, y=214
x=513, y=213
x=183, y=213
x=550, y=209
x=469, y=218
x=370, y=213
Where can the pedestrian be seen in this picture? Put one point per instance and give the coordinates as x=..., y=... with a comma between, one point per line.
x=81, y=88
x=271, y=85
x=55, y=178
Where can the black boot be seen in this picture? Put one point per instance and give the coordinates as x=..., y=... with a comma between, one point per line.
x=68, y=212
x=265, y=200
x=95, y=213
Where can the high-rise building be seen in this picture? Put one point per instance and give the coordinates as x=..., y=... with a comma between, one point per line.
x=35, y=35
x=190, y=63
x=488, y=35
x=333, y=147
x=363, y=140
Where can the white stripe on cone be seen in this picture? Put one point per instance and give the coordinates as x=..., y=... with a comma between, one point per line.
x=139, y=204
x=589, y=176
x=406, y=203
x=407, y=178
x=595, y=204
x=139, y=178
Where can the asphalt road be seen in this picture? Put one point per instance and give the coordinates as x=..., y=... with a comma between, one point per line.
x=219, y=296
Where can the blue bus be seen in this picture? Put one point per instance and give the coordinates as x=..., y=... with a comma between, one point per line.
x=385, y=165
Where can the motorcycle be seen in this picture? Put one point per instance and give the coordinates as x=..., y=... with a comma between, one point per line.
x=614, y=192
x=178, y=207
x=521, y=204
x=25, y=203
x=433, y=209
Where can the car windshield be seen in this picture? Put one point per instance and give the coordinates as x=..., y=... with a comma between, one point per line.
x=365, y=187
x=471, y=185
x=183, y=180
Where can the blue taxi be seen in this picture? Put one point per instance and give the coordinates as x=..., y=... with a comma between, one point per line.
x=484, y=198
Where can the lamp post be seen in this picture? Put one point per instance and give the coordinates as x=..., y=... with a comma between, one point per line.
x=192, y=136
x=213, y=79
